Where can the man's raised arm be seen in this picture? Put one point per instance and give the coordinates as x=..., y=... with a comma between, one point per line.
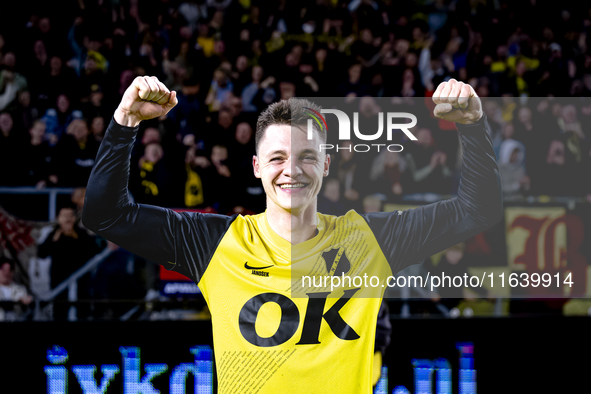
x=407, y=237
x=180, y=241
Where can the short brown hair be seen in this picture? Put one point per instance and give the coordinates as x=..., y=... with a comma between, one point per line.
x=292, y=112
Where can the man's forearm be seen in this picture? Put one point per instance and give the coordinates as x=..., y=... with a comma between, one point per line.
x=480, y=187
x=107, y=193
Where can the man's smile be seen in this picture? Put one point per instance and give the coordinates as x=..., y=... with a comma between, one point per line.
x=296, y=185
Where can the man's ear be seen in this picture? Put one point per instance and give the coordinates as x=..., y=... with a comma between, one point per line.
x=326, y=164
x=255, y=166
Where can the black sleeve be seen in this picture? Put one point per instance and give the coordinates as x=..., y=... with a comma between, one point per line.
x=182, y=241
x=47, y=247
x=409, y=237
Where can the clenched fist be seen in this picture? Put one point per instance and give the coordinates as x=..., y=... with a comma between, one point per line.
x=457, y=102
x=146, y=98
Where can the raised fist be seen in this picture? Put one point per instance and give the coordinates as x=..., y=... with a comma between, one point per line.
x=457, y=102
x=146, y=98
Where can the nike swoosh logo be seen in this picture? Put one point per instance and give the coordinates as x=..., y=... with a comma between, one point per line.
x=248, y=267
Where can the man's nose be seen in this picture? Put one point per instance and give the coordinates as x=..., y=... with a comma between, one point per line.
x=292, y=168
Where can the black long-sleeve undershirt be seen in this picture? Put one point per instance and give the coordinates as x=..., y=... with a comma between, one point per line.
x=188, y=240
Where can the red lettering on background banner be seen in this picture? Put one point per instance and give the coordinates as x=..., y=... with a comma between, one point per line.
x=543, y=254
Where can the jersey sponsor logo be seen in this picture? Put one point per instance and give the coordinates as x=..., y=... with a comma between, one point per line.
x=257, y=270
x=248, y=267
x=260, y=273
x=290, y=319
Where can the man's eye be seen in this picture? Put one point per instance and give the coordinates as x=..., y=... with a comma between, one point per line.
x=309, y=158
x=275, y=159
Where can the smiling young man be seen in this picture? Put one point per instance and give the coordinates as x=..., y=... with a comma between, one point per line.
x=291, y=168
x=269, y=335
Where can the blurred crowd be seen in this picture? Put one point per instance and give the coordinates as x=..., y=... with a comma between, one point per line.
x=63, y=70
x=62, y=74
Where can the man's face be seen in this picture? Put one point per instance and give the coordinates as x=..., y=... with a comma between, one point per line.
x=5, y=122
x=241, y=63
x=151, y=135
x=55, y=63
x=38, y=130
x=63, y=103
x=220, y=78
x=424, y=138
x=5, y=274
x=243, y=133
x=291, y=167
x=98, y=125
x=153, y=153
x=219, y=154
x=80, y=131
x=225, y=119
x=66, y=219
x=257, y=73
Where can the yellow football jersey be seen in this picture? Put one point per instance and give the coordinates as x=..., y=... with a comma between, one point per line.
x=268, y=341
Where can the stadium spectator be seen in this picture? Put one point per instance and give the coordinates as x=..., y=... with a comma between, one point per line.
x=220, y=87
x=427, y=166
x=95, y=105
x=35, y=162
x=372, y=203
x=8, y=142
x=258, y=93
x=222, y=131
x=11, y=82
x=97, y=128
x=38, y=62
x=194, y=164
x=75, y=155
x=193, y=12
x=514, y=178
x=329, y=201
x=25, y=113
x=348, y=175
x=287, y=90
x=11, y=291
x=150, y=135
x=188, y=116
x=386, y=174
x=353, y=86
x=69, y=248
x=150, y=179
x=218, y=183
x=8, y=133
x=454, y=262
x=247, y=190
x=58, y=78
x=59, y=118
x=240, y=74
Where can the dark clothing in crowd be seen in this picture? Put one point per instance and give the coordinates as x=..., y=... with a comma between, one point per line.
x=246, y=189
x=455, y=270
x=150, y=184
x=68, y=254
x=74, y=161
x=8, y=160
x=35, y=163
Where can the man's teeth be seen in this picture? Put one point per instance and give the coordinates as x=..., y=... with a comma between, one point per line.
x=292, y=185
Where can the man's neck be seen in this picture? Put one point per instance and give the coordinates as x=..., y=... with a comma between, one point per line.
x=294, y=226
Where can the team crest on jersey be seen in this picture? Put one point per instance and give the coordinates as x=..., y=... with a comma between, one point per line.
x=336, y=261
